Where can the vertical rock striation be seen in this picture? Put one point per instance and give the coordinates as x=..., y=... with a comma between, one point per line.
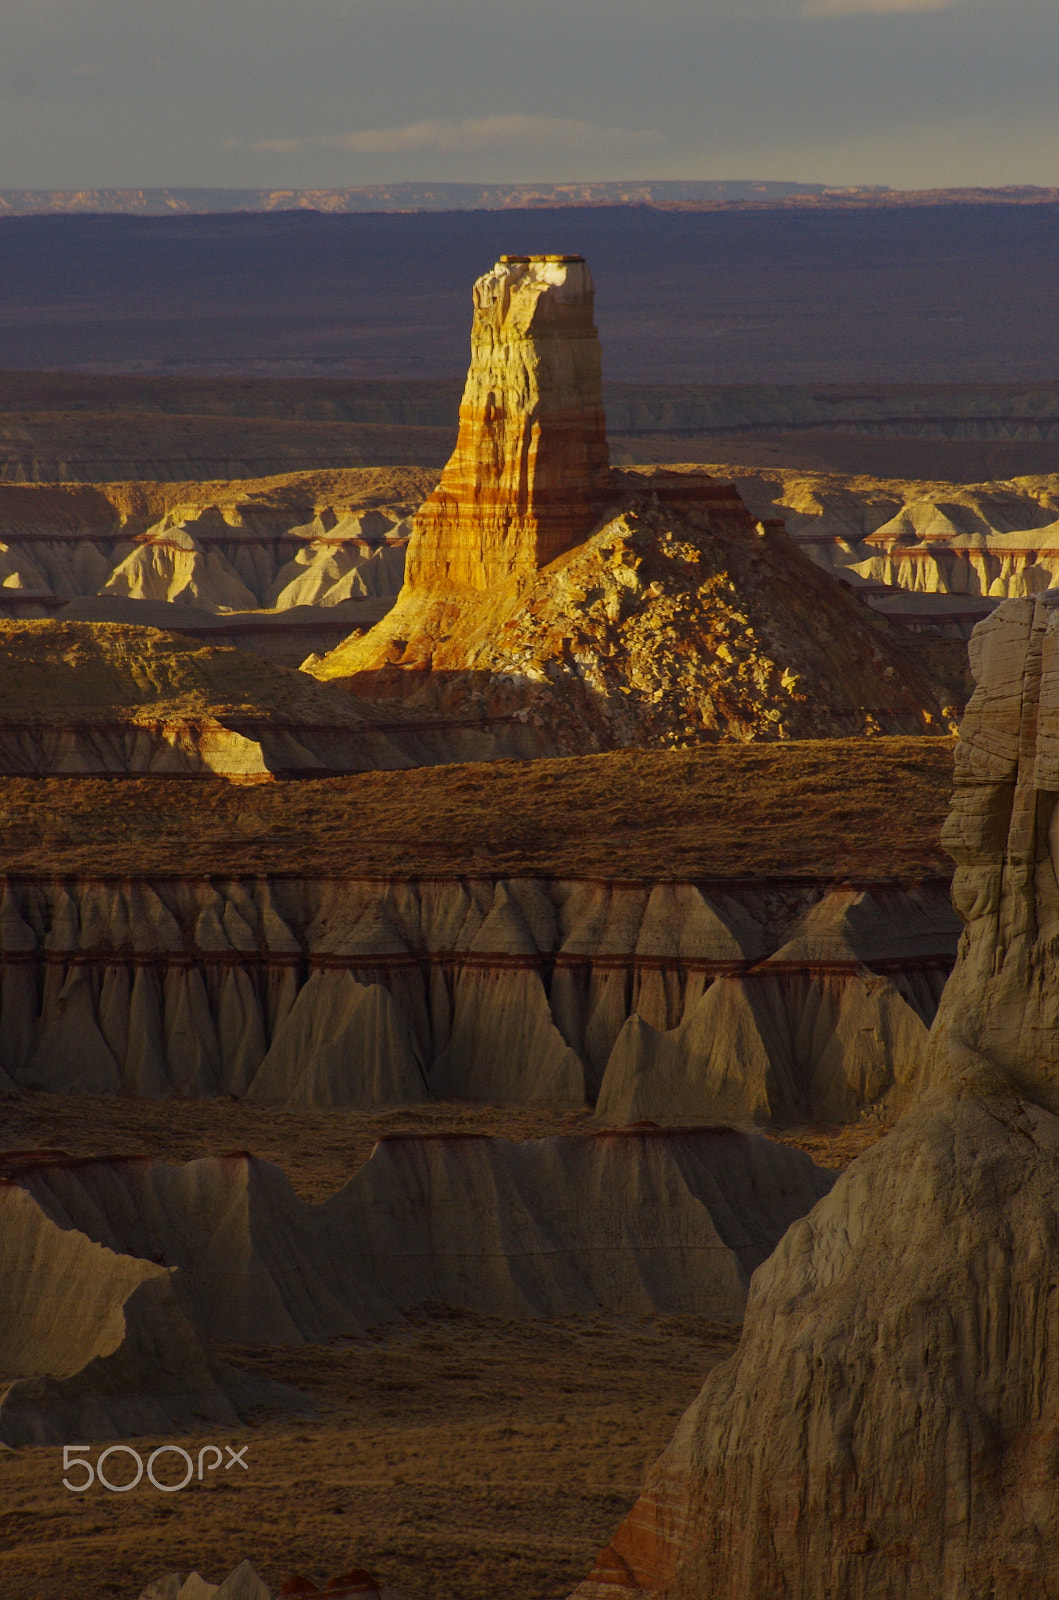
x=1003, y=833
x=529, y=474
x=671, y=1001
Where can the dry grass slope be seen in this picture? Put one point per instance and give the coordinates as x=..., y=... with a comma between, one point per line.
x=88, y=508
x=849, y=808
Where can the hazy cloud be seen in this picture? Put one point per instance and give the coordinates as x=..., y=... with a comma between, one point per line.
x=469, y=136
x=864, y=8
x=315, y=93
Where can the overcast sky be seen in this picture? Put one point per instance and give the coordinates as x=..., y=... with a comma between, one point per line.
x=911, y=93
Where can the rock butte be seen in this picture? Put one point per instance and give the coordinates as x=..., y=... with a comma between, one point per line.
x=529, y=475
x=599, y=609
x=886, y=1429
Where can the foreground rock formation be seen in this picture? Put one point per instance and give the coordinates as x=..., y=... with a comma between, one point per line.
x=160, y=1260
x=609, y=610
x=672, y=1001
x=886, y=1429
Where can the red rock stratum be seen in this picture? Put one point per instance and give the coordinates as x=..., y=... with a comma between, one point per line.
x=529, y=475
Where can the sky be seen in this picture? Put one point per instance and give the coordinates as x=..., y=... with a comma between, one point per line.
x=329, y=93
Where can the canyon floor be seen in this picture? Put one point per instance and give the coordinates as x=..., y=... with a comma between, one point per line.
x=458, y=1459
x=456, y=1456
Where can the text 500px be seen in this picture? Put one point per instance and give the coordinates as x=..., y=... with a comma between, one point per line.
x=83, y=1473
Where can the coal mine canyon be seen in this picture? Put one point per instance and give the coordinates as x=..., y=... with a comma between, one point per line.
x=527, y=1004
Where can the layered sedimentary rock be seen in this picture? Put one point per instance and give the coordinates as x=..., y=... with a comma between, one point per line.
x=1003, y=832
x=529, y=475
x=240, y=562
x=627, y=1220
x=157, y=1258
x=935, y=555
x=887, y=1427
x=182, y=561
x=80, y=698
x=190, y=542
x=94, y=1342
x=606, y=610
x=670, y=1001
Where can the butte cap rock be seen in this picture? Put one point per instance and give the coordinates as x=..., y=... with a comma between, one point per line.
x=567, y=607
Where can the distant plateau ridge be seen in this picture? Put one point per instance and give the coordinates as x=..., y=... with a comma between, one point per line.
x=690, y=193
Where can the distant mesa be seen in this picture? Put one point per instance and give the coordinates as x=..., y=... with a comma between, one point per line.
x=685, y=194
x=418, y=197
